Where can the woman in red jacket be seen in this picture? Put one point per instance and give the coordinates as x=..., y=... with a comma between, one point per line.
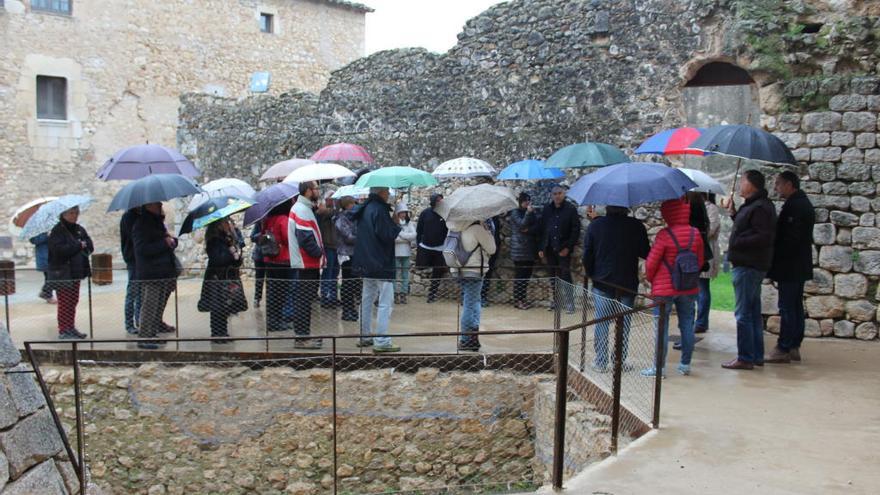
x=279, y=274
x=673, y=269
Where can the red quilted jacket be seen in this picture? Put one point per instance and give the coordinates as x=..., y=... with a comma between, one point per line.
x=676, y=213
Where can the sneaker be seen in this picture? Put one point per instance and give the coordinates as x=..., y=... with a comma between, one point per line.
x=71, y=334
x=795, y=354
x=131, y=331
x=684, y=369
x=651, y=372
x=469, y=346
x=386, y=348
x=569, y=311
x=256, y=304
x=149, y=345
x=599, y=369
x=677, y=346
x=365, y=343
x=778, y=356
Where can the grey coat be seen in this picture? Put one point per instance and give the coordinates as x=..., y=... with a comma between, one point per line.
x=346, y=233
x=523, y=235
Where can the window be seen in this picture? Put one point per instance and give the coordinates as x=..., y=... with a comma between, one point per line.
x=51, y=98
x=266, y=21
x=56, y=6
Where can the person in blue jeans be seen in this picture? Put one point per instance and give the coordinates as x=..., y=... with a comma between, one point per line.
x=704, y=300
x=750, y=252
x=478, y=240
x=613, y=245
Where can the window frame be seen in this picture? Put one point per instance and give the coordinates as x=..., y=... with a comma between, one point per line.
x=270, y=22
x=55, y=117
x=49, y=10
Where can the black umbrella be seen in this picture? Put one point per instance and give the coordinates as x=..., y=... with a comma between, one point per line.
x=153, y=189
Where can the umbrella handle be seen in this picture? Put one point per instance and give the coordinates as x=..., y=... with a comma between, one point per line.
x=733, y=185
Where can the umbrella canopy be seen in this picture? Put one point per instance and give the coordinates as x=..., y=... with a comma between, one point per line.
x=705, y=183
x=282, y=169
x=25, y=212
x=146, y=159
x=397, y=177
x=267, y=199
x=747, y=142
x=47, y=215
x=672, y=142
x=463, y=167
x=342, y=152
x=318, y=171
x=476, y=203
x=630, y=184
x=355, y=192
x=217, y=188
x=213, y=210
x=153, y=189
x=586, y=155
x=529, y=170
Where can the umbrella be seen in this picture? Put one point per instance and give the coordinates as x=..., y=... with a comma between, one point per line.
x=267, y=199
x=529, y=170
x=212, y=210
x=317, y=172
x=223, y=187
x=146, y=159
x=282, y=169
x=351, y=190
x=586, y=155
x=630, y=184
x=25, y=212
x=47, y=215
x=476, y=203
x=672, y=142
x=397, y=177
x=463, y=167
x=705, y=183
x=344, y=152
x=153, y=189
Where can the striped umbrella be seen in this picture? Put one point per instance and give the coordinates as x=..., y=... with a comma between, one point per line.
x=672, y=142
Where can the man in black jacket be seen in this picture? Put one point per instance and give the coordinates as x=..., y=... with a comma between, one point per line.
x=430, y=235
x=750, y=252
x=132, y=290
x=155, y=271
x=792, y=265
x=561, y=229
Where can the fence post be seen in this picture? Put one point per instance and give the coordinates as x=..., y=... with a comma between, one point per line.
x=662, y=324
x=557, y=304
x=333, y=385
x=77, y=398
x=176, y=319
x=91, y=317
x=561, y=401
x=586, y=300
x=6, y=303
x=617, y=383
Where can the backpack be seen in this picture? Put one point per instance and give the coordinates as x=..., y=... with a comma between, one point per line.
x=685, y=270
x=269, y=246
x=454, y=253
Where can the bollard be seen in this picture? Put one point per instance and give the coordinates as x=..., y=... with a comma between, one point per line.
x=7, y=285
x=102, y=269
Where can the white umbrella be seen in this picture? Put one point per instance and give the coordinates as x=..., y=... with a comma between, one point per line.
x=47, y=216
x=477, y=203
x=25, y=212
x=236, y=188
x=462, y=168
x=318, y=171
x=355, y=192
x=282, y=169
x=705, y=183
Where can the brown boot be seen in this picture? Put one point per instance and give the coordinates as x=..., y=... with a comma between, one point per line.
x=795, y=354
x=736, y=364
x=778, y=356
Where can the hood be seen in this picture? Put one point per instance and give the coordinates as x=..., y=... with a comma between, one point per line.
x=401, y=207
x=676, y=212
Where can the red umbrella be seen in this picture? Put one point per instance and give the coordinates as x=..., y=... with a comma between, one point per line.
x=344, y=152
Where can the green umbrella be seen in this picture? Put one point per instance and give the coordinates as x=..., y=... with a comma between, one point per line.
x=586, y=155
x=397, y=177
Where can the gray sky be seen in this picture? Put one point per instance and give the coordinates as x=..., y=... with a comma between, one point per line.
x=431, y=24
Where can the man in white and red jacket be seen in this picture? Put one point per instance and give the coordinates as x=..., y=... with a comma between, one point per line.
x=307, y=258
x=658, y=271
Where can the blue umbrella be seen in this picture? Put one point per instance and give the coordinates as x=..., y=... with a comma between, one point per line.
x=529, y=170
x=153, y=189
x=267, y=199
x=212, y=210
x=630, y=184
x=47, y=216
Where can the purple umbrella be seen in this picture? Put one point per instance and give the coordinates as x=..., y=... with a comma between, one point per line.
x=267, y=199
x=142, y=160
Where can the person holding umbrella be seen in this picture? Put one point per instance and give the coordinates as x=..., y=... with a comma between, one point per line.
x=346, y=237
x=41, y=253
x=69, y=249
x=132, y=289
x=523, y=247
x=275, y=247
x=156, y=269
x=403, y=251
x=430, y=233
x=478, y=240
x=561, y=226
x=222, y=292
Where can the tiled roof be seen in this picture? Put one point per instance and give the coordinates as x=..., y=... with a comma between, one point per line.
x=350, y=5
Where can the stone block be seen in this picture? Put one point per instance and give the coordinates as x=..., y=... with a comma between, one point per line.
x=801, y=154
x=864, y=85
x=835, y=188
x=811, y=187
x=831, y=202
x=836, y=258
x=844, y=237
x=822, y=215
x=795, y=139
x=9, y=353
x=844, y=329
x=867, y=262
x=867, y=220
x=859, y=204
x=875, y=204
x=830, y=154
x=821, y=122
x=872, y=157
x=822, y=282
x=772, y=325
x=842, y=138
x=853, y=171
x=33, y=440
x=866, y=238
x=873, y=103
x=815, y=139
x=825, y=307
x=848, y=103
x=25, y=392
x=866, y=140
x=788, y=122
x=861, y=310
x=43, y=479
x=850, y=285
x=769, y=300
x=826, y=327
x=8, y=411
x=68, y=474
x=862, y=188
x=853, y=155
x=812, y=328
x=844, y=219
x=4, y=471
x=824, y=171
x=859, y=121
x=824, y=234
x=866, y=331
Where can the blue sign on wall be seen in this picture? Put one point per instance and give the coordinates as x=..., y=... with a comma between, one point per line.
x=260, y=82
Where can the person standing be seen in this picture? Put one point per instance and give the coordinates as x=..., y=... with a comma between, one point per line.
x=259, y=264
x=494, y=226
x=155, y=270
x=613, y=245
x=374, y=263
x=279, y=275
x=403, y=251
x=792, y=265
x=346, y=235
x=41, y=255
x=69, y=249
x=561, y=228
x=704, y=299
x=326, y=219
x=430, y=235
x=132, y=288
x=307, y=258
x=224, y=261
x=523, y=248
x=750, y=252
x=477, y=239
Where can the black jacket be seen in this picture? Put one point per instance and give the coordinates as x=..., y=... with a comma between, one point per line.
x=523, y=241
x=793, y=247
x=754, y=228
x=613, y=245
x=154, y=258
x=126, y=223
x=561, y=227
x=431, y=229
x=374, y=246
x=68, y=260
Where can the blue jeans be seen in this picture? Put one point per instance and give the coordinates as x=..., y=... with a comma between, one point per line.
x=132, y=301
x=749, y=322
x=401, y=266
x=384, y=290
x=605, y=306
x=289, y=309
x=328, y=277
x=791, y=314
x=684, y=308
x=704, y=304
x=471, y=306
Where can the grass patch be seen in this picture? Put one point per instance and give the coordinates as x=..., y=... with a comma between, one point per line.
x=722, y=292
